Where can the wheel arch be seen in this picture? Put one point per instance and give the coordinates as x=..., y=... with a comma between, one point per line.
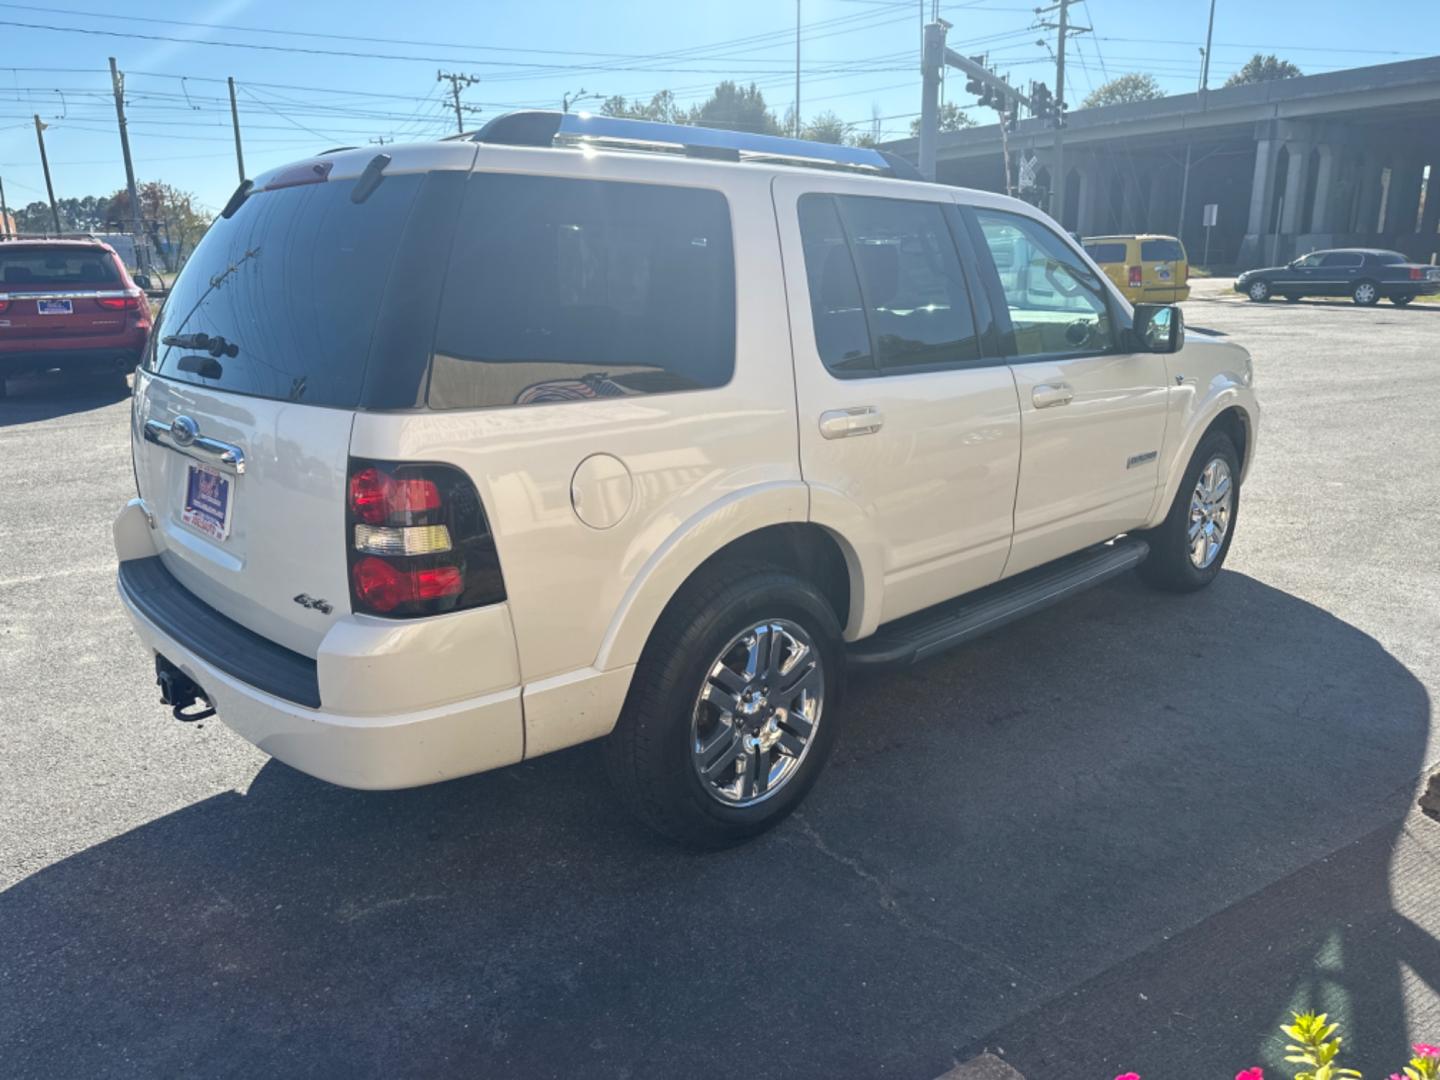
x=1234, y=411
x=767, y=524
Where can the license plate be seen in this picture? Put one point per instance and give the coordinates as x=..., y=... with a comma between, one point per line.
x=207, y=502
x=54, y=307
x=1163, y=273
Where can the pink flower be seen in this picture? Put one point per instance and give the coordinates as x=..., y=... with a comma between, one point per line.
x=1128, y=1076
x=1426, y=1050
x=1252, y=1073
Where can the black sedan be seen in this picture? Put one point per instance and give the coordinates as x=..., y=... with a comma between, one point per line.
x=1363, y=274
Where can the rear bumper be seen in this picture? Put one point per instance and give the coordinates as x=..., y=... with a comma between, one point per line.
x=253, y=683
x=126, y=355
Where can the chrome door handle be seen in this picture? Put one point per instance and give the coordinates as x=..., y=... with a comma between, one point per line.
x=843, y=423
x=1047, y=395
x=189, y=442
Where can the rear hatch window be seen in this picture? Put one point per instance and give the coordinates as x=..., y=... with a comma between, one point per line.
x=57, y=268
x=1106, y=253
x=1161, y=251
x=290, y=292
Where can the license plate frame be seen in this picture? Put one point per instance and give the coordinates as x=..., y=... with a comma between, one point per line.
x=209, y=502
x=54, y=307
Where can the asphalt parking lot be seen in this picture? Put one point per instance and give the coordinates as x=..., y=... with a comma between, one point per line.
x=1131, y=832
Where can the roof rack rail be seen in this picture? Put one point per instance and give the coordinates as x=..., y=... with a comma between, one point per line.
x=537, y=128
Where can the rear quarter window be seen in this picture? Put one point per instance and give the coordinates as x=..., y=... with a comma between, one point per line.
x=1106, y=253
x=1161, y=251
x=567, y=290
x=60, y=268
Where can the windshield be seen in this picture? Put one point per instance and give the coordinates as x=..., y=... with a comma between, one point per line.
x=58, y=267
x=281, y=299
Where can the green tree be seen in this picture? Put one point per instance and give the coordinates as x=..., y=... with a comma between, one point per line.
x=825, y=127
x=660, y=107
x=736, y=108
x=952, y=118
x=1123, y=89
x=169, y=217
x=1260, y=68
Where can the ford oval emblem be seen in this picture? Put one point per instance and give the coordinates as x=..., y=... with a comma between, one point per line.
x=183, y=430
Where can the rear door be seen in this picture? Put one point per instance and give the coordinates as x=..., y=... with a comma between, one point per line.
x=1338, y=273
x=60, y=297
x=1092, y=415
x=1163, y=268
x=907, y=418
x=301, y=307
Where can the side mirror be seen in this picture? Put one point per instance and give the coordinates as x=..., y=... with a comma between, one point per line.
x=143, y=280
x=1159, y=328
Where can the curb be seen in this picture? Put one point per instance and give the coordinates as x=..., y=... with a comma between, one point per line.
x=984, y=1067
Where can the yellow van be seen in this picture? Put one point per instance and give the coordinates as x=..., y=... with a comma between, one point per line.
x=1149, y=268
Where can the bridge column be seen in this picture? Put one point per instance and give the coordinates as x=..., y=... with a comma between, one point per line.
x=1262, y=186
x=1404, y=197
x=1296, y=173
x=1327, y=189
x=1367, y=210
x=1431, y=221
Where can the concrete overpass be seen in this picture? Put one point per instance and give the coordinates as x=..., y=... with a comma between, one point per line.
x=1316, y=161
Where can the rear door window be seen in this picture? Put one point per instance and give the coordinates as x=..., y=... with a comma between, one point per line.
x=58, y=268
x=566, y=290
x=1161, y=251
x=287, y=293
x=1341, y=260
x=1106, y=253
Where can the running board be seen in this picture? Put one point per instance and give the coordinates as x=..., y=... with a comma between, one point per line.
x=920, y=636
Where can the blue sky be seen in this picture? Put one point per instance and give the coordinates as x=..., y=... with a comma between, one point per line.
x=859, y=59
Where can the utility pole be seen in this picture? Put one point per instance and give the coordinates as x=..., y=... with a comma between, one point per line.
x=1204, y=93
x=117, y=83
x=456, y=81
x=45, y=164
x=4, y=211
x=797, y=68
x=1205, y=64
x=1057, y=170
x=235, y=123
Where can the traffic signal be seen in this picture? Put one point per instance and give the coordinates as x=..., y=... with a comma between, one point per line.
x=974, y=85
x=1042, y=102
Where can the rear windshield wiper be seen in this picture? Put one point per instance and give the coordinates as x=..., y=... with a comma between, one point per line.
x=216, y=346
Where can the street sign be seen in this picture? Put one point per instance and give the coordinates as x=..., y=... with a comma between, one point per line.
x=1212, y=212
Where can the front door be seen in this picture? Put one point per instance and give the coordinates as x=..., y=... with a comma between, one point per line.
x=1092, y=415
x=909, y=434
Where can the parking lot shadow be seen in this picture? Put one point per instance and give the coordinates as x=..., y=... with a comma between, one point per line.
x=46, y=395
x=998, y=828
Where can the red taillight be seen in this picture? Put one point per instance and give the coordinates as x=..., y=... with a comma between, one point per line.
x=1135, y=277
x=119, y=303
x=1416, y=274
x=418, y=541
x=382, y=587
x=376, y=497
x=4, y=304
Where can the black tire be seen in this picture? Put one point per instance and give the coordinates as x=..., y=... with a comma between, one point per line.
x=1401, y=300
x=1365, y=293
x=648, y=755
x=1169, y=565
x=1258, y=290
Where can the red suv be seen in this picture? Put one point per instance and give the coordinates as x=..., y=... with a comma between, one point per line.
x=68, y=304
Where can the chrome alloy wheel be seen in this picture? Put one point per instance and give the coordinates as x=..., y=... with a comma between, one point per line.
x=1211, y=504
x=1364, y=293
x=1259, y=290
x=755, y=717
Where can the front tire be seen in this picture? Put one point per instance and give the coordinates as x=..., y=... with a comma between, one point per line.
x=1188, y=548
x=1259, y=291
x=1365, y=293
x=733, y=709
x=1402, y=300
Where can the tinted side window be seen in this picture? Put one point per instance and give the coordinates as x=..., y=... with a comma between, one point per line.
x=564, y=290
x=842, y=335
x=916, y=300
x=1161, y=251
x=1341, y=258
x=1106, y=253
x=1057, y=305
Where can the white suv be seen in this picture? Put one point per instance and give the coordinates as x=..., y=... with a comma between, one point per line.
x=468, y=451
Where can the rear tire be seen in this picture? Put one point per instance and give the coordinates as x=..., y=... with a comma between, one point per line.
x=1185, y=552
x=700, y=753
x=1401, y=301
x=1259, y=291
x=1365, y=293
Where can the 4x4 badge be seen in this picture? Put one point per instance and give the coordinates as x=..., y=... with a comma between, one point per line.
x=305, y=600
